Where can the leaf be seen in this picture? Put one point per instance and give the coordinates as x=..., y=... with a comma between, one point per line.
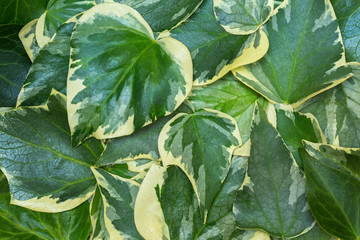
x=162, y=15
x=118, y=196
x=201, y=144
x=14, y=65
x=57, y=13
x=145, y=79
x=338, y=111
x=4, y=185
x=21, y=223
x=44, y=172
x=316, y=233
x=348, y=13
x=97, y=217
x=141, y=144
x=21, y=12
x=333, y=187
x=28, y=40
x=49, y=69
x=244, y=16
x=294, y=127
x=229, y=96
x=273, y=196
x=214, y=51
x=305, y=57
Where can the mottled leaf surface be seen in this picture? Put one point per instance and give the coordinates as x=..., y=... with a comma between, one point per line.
x=305, y=57
x=213, y=50
x=333, y=188
x=137, y=79
x=44, y=172
x=21, y=11
x=243, y=17
x=273, y=197
x=14, y=65
x=28, y=39
x=338, y=111
x=99, y=230
x=316, y=233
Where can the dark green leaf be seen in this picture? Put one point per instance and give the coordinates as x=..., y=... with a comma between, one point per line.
x=99, y=230
x=21, y=12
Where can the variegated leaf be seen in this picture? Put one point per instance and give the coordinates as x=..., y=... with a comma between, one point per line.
x=99, y=230
x=201, y=144
x=333, y=188
x=49, y=70
x=118, y=196
x=137, y=79
x=306, y=54
x=44, y=172
x=338, y=111
x=57, y=13
x=273, y=196
x=14, y=64
x=27, y=37
x=243, y=17
x=316, y=233
x=214, y=51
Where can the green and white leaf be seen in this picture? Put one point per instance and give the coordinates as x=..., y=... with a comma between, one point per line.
x=243, y=17
x=44, y=172
x=229, y=96
x=21, y=223
x=338, y=111
x=57, y=13
x=118, y=196
x=214, y=51
x=49, y=69
x=333, y=188
x=99, y=230
x=272, y=198
x=348, y=14
x=306, y=54
x=316, y=233
x=201, y=144
x=14, y=64
x=162, y=15
x=145, y=79
x=27, y=37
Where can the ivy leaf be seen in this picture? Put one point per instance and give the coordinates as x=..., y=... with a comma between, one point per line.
x=21, y=223
x=14, y=65
x=138, y=77
x=49, y=69
x=214, y=51
x=44, y=172
x=273, y=197
x=244, y=16
x=333, y=187
x=99, y=230
x=316, y=233
x=4, y=185
x=338, y=111
x=348, y=13
x=305, y=57
x=201, y=144
x=57, y=13
x=15, y=12
x=28, y=39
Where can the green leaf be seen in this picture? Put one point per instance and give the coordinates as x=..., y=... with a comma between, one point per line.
x=145, y=79
x=273, y=196
x=49, y=69
x=14, y=65
x=244, y=16
x=118, y=196
x=201, y=144
x=21, y=223
x=97, y=217
x=229, y=96
x=28, y=39
x=57, y=13
x=316, y=233
x=44, y=172
x=215, y=51
x=21, y=12
x=348, y=14
x=294, y=127
x=4, y=185
x=333, y=188
x=306, y=54
x=162, y=15
x=338, y=111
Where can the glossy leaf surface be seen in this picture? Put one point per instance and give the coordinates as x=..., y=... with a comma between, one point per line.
x=21, y=12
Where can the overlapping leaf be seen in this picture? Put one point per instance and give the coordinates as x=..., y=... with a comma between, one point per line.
x=215, y=51
x=21, y=12
x=28, y=39
x=44, y=172
x=333, y=188
x=99, y=230
x=273, y=197
x=305, y=57
x=137, y=79
x=316, y=233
